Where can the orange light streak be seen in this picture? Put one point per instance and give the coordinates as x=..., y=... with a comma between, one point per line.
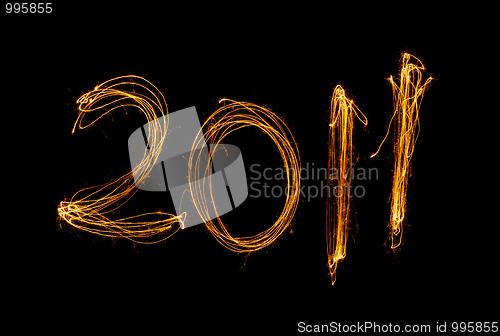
x=342, y=111
x=92, y=209
x=233, y=116
x=407, y=96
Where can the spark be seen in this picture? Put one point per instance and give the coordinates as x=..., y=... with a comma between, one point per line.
x=233, y=116
x=342, y=111
x=407, y=96
x=91, y=209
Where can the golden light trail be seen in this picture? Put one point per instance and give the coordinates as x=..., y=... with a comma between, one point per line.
x=233, y=116
x=92, y=209
x=407, y=96
x=342, y=111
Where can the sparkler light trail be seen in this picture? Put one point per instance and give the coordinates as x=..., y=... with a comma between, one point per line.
x=342, y=111
x=91, y=209
x=233, y=116
x=407, y=96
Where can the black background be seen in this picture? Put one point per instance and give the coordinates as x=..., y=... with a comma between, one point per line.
x=288, y=58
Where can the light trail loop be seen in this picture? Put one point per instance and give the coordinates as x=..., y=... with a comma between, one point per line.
x=93, y=209
x=233, y=116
